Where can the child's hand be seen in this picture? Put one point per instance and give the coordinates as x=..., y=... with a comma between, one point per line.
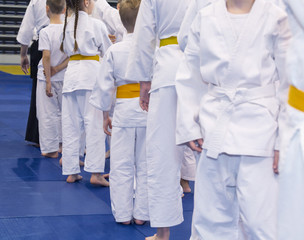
x=112, y=38
x=196, y=145
x=53, y=71
x=48, y=89
x=144, y=95
x=106, y=125
x=275, y=164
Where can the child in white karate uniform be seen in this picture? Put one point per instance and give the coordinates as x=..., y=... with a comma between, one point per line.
x=158, y=22
x=291, y=178
x=228, y=101
x=49, y=88
x=128, y=150
x=84, y=40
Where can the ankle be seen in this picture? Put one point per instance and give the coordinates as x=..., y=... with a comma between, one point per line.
x=163, y=233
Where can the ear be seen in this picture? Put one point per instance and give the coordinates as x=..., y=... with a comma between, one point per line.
x=64, y=10
x=86, y=3
x=47, y=8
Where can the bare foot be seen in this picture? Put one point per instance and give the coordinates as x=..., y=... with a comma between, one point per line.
x=74, y=178
x=106, y=175
x=107, y=154
x=139, y=222
x=185, y=185
x=126, y=223
x=50, y=155
x=99, y=180
x=152, y=237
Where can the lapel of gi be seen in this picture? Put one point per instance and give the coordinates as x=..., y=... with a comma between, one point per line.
x=238, y=45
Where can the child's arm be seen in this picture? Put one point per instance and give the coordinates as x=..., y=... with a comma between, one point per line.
x=107, y=123
x=190, y=89
x=46, y=61
x=59, y=67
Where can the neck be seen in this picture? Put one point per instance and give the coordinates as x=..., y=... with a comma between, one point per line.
x=55, y=19
x=239, y=6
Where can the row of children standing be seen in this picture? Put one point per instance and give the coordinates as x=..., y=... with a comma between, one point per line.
x=79, y=51
x=217, y=94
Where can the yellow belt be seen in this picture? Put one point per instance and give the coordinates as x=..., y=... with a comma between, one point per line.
x=128, y=91
x=168, y=41
x=82, y=57
x=296, y=98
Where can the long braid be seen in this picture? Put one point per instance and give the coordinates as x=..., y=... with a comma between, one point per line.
x=65, y=23
x=75, y=24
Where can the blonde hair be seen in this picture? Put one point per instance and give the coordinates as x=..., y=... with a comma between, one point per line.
x=128, y=12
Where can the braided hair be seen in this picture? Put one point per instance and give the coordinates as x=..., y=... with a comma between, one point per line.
x=74, y=5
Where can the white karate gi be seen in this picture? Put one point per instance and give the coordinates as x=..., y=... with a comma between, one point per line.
x=32, y=20
x=128, y=150
x=110, y=16
x=227, y=96
x=159, y=19
x=291, y=178
x=49, y=108
x=193, y=9
x=79, y=80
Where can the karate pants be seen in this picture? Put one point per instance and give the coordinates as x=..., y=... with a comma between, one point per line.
x=188, y=167
x=128, y=160
x=49, y=116
x=163, y=161
x=230, y=188
x=291, y=178
x=78, y=115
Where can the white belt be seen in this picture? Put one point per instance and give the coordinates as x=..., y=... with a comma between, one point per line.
x=232, y=98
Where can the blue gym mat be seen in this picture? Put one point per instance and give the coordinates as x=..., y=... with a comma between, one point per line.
x=35, y=200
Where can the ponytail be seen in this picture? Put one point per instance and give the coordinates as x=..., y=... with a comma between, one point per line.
x=75, y=24
x=65, y=23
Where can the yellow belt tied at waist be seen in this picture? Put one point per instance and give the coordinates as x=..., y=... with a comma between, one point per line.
x=168, y=41
x=82, y=57
x=131, y=90
x=296, y=98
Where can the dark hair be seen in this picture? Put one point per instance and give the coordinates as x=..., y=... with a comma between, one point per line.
x=75, y=6
x=56, y=6
x=128, y=12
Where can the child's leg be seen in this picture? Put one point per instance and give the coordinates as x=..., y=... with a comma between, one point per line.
x=95, y=140
x=47, y=109
x=163, y=163
x=216, y=211
x=141, y=207
x=257, y=194
x=58, y=91
x=122, y=173
x=71, y=125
